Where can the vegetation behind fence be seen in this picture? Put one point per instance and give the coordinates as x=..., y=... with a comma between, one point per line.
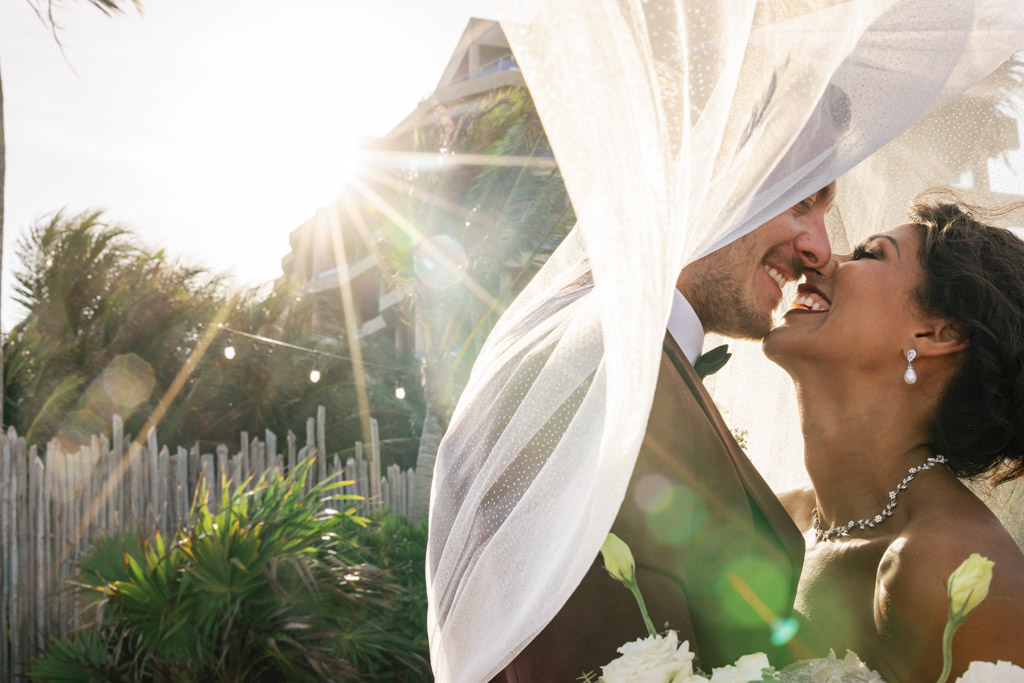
x=53, y=505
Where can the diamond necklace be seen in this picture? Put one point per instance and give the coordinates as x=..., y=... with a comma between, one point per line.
x=844, y=530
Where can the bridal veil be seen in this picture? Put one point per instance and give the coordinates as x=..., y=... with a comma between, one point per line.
x=680, y=125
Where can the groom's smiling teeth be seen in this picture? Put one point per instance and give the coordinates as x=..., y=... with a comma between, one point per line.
x=810, y=301
x=779, y=278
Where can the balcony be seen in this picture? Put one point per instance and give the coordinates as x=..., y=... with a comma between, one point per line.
x=335, y=277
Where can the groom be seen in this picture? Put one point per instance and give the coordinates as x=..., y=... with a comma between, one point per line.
x=717, y=556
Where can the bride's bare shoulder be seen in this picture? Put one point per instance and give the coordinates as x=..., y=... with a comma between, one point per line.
x=911, y=597
x=799, y=503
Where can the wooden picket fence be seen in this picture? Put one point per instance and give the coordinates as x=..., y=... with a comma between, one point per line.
x=52, y=506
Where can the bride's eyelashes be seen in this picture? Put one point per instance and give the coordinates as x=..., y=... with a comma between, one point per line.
x=866, y=251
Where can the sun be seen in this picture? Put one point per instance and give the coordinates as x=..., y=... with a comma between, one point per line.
x=321, y=168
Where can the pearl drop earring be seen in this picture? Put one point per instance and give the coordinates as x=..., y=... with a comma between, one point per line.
x=910, y=376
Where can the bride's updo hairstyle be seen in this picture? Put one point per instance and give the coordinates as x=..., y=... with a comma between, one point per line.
x=974, y=275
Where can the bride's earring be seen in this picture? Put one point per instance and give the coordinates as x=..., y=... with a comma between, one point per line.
x=910, y=376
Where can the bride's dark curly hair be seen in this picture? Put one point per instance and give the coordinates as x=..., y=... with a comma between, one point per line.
x=975, y=277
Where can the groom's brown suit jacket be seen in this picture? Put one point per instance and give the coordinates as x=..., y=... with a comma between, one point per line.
x=717, y=556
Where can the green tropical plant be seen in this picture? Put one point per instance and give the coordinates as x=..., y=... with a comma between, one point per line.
x=273, y=586
x=394, y=545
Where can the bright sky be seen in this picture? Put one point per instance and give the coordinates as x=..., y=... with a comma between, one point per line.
x=213, y=127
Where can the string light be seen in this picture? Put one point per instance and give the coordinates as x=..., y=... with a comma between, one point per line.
x=315, y=374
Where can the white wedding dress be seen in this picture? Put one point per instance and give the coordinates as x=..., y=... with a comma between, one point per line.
x=680, y=125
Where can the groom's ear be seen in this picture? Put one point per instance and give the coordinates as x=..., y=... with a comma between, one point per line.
x=940, y=338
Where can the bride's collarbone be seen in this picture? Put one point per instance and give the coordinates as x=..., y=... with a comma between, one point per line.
x=861, y=548
x=830, y=565
x=840, y=575
x=836, y=595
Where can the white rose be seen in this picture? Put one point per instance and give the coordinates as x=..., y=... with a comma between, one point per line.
x=747, y=668
x=654, y=659
x=987, y=672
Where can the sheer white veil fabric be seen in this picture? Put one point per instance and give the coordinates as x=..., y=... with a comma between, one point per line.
x=678, y=127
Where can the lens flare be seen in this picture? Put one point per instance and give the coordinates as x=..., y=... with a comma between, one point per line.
x=128, y=381
x=752, y=590
x=675, y=514
x=440, y=262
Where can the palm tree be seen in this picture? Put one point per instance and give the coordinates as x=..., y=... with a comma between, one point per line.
x=94, y=295
x=46, y=15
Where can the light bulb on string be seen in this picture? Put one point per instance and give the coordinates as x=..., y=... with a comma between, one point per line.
x=399, y=391
x=314, y=374
x=229, y=348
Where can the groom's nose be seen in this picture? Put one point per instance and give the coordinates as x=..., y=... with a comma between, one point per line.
x=812, y=244
x=825, y=271
x=829, y=269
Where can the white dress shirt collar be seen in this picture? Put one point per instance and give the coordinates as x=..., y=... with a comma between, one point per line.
x=685, y=327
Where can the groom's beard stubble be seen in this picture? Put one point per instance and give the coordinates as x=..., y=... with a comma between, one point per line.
x=723, y=294
x=722, y=309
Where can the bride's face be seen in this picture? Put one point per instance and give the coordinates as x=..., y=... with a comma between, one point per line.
x=864, y=316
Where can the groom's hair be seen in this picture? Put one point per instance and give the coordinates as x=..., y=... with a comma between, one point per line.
x=974, y=276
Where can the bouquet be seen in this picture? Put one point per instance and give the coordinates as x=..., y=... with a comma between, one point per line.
x=662, y=658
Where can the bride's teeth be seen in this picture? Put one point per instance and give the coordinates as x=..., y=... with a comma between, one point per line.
x=809, y=302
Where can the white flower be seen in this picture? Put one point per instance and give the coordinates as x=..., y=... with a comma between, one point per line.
x=987, y=672
x=654, y=659
x=747, y=668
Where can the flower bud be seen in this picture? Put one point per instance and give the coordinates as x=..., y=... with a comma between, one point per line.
x=968, y=585
x=618, y=559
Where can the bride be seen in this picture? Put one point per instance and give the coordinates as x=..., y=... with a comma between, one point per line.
x=946, y=292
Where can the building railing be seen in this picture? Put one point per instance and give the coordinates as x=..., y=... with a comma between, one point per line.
x=504, y=63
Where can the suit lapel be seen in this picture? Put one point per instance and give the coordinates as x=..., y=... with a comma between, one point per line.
x=758, y=490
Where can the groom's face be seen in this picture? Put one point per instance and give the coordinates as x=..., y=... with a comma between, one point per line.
x=735, y=290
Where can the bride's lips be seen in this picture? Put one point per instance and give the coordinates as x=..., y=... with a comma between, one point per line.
x=810, y=299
